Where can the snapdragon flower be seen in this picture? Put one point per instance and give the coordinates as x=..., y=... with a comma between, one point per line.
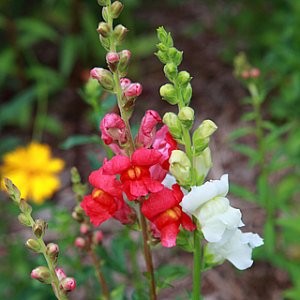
x=234, y=246
x=212, y=209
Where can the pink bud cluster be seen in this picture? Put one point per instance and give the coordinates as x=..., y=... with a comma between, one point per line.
x=130, y=90
x=67, y=284
x=252, y=73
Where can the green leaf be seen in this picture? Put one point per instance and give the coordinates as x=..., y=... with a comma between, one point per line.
x=8, y=144
x=166, y=274
x=118, y=293
x=77, y=140
x=7, y=63
x=290, y=223
x=11, y=112
x=246, y=150
x=185, y=240
x=32, y=30
x=240, y=132
x=250, y=116
x=243, y=193
x=69, y=54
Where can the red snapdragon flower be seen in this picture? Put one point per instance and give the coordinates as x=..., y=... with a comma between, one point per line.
x=106, y=200
x=165, y=144
x=147, y=131
x=163, y=210
x=134, y=172
x=113, y=130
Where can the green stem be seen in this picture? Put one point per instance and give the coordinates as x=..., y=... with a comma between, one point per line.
x=148, y=256
x=263, y=190
x=197, y=266
x=60, y=295
x=100, y=276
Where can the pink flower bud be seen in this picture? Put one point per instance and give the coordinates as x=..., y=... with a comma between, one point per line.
x=254, y=73
x=133, y=90
x=60, y=273
x=41, y=274
x=80, y=242
x=113, y=130
x=68, y=284
x=97, y=237
x=147, y=129
x=125, y=54
x=104, y=77
x=112, y=57
x=125, y=82
x=245, y=74
x=84, y=228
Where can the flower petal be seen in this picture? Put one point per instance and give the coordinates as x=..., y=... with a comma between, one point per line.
x=145, y=157
x=116, y=165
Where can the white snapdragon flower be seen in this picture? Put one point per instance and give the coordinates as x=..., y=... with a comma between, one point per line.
x=236, y=247
x=210, y=206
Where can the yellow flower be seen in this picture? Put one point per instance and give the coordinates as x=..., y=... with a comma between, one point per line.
x=33, y=171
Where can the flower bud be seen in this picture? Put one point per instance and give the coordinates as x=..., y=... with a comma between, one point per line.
x=203, y=163
x=187, y=94
x=23, y=219
x=84, y=228
x=77, y=216
x=174, y=125
x=147, y=131
x=184, y=77
x=60, y=273
x=68, y=284
x=33, y=245
x=171, y=71
x=120, y=32
x=52, y=251
x=41, y=274
x=116, y=9
x=103, y=2
x=133, y=90
x=124, y=82
x=202, y=134
x=104, y=29
x=254, y=73
x=104, y=77
x=175, y=55
x=80, y=242
x=168, y=93
x=124, y=61
x=12, y=190
x=105, y=14
x=97, y=237
x=186, y=115
x=112, y=59
x=25, y=207
x=39, y=228
x=180, y=167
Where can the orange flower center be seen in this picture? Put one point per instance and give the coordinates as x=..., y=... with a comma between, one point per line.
x=134, y=173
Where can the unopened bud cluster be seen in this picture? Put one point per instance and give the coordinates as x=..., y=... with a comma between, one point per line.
x=179, y=90
x=36, y=244
x=242, y=68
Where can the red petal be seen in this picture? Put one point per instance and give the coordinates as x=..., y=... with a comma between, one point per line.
x=138, y=188
x=145, y=157
x=169, y=235
x=158, y=203
x=116, y=165
x=187, y=222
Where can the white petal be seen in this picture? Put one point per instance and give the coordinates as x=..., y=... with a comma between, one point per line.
x=231, y=218
x=207, y=191
x=169, y=181
x=213, y=230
